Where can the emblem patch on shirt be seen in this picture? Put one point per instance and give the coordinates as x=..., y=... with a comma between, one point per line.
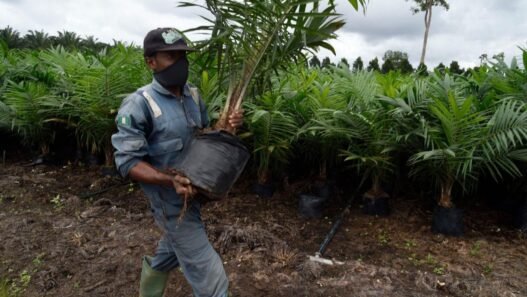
x=124, y=120
x=171, y=36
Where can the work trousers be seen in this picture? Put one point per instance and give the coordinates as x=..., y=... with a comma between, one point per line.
x=185, y=244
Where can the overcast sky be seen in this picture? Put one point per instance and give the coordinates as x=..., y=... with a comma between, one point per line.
x=469, y=29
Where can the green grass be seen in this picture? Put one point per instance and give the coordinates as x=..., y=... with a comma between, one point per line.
x=15, y=288
x=4, y=288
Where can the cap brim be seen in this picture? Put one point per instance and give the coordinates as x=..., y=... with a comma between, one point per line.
x=179, y=47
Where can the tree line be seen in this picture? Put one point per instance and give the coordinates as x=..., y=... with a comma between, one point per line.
x=391, y=61
x=38, y=40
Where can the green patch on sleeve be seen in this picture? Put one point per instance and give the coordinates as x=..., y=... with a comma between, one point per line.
x=124, y=120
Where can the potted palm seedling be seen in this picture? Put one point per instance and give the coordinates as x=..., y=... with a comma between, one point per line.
x=271, y=129
x=253, y=39
x=461, y=142
x=368, y=131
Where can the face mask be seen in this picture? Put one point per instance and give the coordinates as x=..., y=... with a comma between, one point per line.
x=175, y=75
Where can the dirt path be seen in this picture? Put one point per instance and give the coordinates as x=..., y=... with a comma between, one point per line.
x=54, y=243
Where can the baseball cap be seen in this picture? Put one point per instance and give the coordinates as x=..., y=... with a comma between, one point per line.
x=164, y=39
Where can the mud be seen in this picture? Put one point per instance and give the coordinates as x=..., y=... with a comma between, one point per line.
x=53, y=243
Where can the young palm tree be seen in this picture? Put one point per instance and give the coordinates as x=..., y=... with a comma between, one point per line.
x=272, y=130
x=461, y=142
x=21, y=113
x=365, y=126
x=452, y=127
x=25, y=88
x=509, y=80
x=455, y=137
x=321, y=95
x=254, y=39
x=210, y=90
x=251, y=39
x=92, y=90
x=5, y=66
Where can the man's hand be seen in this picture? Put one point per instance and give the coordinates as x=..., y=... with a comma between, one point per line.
x=236, y=119
x=183, y=185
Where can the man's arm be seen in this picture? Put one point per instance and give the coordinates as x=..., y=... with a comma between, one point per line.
x=131, y=148
x=146, y=173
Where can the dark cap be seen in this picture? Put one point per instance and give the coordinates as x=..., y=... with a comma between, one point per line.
x=164, y=39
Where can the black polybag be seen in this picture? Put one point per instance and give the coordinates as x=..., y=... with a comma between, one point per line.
x=213, y=161
x=448, y=221
x=311, y=206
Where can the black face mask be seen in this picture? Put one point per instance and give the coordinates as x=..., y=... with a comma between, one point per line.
x=175, y=75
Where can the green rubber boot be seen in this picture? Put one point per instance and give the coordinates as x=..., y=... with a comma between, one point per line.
x=153, y=282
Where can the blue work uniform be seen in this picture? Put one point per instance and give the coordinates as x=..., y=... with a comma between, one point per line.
x=154, y=126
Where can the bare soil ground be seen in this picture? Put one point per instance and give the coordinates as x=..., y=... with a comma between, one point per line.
x=54, y=243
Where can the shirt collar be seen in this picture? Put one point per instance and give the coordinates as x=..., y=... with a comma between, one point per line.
x=160, y=89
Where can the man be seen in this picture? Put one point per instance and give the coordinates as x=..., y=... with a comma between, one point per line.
x=154, y=125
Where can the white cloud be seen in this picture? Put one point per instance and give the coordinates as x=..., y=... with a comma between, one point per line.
x=467, y=30
x=464, y=32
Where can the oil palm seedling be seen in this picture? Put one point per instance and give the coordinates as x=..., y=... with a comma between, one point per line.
x=210, y=89
x=450, y=128
x=271, y=129
x=367, y=131
x=250, y=41
x=392, y=83
x=479, y=84
x=322, y=149
x=91, y=90
x=301, y=87
x=369, y=148
x=460, y=142
x=254, y=38
x=295, y=84
x=25, y=85
x=5, y=66
x=505, y=141
x=5, y=117
x=419, y=114
x=509, y=80
x=98, y=92
x=21, y=112
x=22, y=65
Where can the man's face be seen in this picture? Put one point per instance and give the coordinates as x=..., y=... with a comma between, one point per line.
x=163, y=59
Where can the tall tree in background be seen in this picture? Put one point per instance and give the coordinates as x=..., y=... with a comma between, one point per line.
x=441, y=68
x=387, y=66
x=314, y=62
x=426, y=6
x=326, y=63
x=67, y=39
x=358, y=65
x=422, y=70
x=344, y=63
x=11, y=37
x=455, y=69
x=374, y=65
x=37, y=39
x=396, y=60
x=92, y=43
